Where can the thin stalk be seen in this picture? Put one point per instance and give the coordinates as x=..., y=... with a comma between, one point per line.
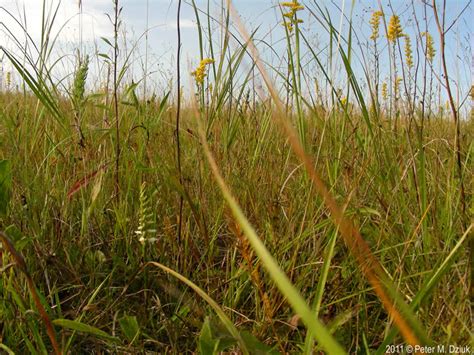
x=146, y=55
x=116, y=106
x=178, y=113
x=457, y=142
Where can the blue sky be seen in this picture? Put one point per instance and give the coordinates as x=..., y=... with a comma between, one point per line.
x=264, y=14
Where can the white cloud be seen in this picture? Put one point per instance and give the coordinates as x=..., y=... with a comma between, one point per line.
x=66, y=23
x=184, y=23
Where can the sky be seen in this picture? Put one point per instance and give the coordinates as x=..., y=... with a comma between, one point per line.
x=161, y=22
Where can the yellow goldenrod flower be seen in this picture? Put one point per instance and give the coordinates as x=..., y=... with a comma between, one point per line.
x=394, y=29
x=343, y=101
x=200, y=72
x=408, y=52
x=375, y=23
x=384, y=90
x=430, y=51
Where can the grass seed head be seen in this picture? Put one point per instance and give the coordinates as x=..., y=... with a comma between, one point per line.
x=79, y=84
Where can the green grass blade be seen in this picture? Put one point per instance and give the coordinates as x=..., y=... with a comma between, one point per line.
x=84, y=328
x=220, y=313
x=320, y=289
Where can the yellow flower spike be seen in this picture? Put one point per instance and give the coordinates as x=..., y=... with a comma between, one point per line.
x=396, y=88
x=375, y=24
x=394, y=29
x=384, y=91
x=430, y=51
x=408, y=52
x=200, y=72
x=293, y=7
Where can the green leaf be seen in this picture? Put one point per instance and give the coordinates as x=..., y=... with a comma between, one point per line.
x=222, y=316
x=103, y=55
x=16, y=236
x=214, y=338
x=207, y=344
x=256, y=346
x=82, y=327
x=38, y=86
x=5, y=185
x=107, y=41
x=130, y=328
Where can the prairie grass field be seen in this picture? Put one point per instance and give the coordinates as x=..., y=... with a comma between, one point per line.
x=321, y=204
